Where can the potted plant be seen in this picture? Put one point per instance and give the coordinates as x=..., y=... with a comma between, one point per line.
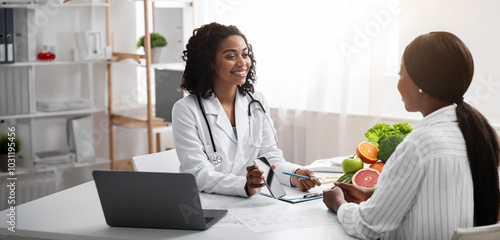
x=4, y=150
x=157, y=42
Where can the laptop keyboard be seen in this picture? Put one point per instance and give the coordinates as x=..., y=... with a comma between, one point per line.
x=208, y=219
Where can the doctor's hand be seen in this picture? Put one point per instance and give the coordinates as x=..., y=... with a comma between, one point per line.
x=254, y=179
x=305, y=184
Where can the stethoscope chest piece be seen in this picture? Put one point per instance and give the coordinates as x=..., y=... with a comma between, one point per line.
x=216, y=159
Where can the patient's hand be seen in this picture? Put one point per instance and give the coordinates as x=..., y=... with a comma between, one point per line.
x=333, y=198
x=354, y=193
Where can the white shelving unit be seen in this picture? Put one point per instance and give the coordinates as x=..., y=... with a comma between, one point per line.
x=175, y=22
x=55, y=24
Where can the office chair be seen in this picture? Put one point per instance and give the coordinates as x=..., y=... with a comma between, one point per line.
x=166, y=161
x=489, y=232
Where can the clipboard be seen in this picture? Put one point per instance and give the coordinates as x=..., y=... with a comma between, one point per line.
x=294, y=195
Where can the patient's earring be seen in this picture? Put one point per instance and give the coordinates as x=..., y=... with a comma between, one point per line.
x=420, y=90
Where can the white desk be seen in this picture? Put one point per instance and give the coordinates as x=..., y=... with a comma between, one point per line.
x=76, y=213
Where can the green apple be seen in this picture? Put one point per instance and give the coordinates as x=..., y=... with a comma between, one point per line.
x=352, y=164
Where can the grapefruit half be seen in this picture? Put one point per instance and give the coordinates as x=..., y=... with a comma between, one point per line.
x=366, y=177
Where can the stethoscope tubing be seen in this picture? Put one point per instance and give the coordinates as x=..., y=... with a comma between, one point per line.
x=202, y=107
x=216, y=159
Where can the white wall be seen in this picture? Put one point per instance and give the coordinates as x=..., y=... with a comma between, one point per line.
x=476, y=23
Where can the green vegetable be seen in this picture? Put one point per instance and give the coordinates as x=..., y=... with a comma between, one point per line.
x=346, y=178
x=377, y=132
x=387, y=137
x=388, y=146
x=157, y=40
x=381, y=130
x=402, y=128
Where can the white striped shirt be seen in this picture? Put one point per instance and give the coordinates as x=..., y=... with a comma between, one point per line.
x=425, y=190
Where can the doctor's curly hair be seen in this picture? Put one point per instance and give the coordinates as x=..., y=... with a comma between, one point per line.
x=198, y=76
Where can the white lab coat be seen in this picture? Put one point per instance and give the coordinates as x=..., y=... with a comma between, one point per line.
x=194, y=147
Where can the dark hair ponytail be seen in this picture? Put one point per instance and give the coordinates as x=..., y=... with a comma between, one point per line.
x=483, y=152
x=441, y=64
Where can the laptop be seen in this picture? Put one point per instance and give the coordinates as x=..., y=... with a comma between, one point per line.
x=153, y=200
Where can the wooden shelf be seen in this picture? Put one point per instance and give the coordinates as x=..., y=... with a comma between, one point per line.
x=123, y=165
x=140, y=63
x=117, y=57
x=135, y=122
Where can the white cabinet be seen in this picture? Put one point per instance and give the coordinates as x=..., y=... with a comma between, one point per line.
x=133, y=105
x=74, y=84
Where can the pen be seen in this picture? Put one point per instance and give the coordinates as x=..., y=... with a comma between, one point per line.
x=299, y=176
x=312, y=195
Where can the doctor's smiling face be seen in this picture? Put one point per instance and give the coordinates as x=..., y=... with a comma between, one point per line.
x=232, y=62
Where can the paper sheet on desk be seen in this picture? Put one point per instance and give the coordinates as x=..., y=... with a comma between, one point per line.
x=231, y=220
x=285, y=220
x=327, y=165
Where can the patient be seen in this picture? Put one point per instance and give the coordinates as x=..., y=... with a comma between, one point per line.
x=444, y=174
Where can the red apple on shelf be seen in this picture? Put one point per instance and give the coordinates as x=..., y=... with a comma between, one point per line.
x=46, y=56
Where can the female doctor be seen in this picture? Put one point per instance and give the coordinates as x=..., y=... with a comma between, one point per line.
x=223, y=125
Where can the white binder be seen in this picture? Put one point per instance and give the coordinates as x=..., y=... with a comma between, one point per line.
x=80, y=139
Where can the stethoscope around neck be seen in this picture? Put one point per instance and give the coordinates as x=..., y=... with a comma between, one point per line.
x=216, y=159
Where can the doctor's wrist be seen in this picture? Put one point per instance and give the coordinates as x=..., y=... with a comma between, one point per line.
x=291, y=178
x=246, y=190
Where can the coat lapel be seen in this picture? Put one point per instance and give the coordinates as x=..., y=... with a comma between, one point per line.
x=213, y=107
x=241, y=116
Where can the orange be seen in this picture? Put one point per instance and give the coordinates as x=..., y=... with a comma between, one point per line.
x=367, y=151
x=377, y=166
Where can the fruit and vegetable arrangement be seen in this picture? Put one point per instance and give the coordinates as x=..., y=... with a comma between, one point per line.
x=382, y=142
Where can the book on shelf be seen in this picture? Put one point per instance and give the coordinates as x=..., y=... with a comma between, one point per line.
x=50, y=158
x=24, y=44
x=25, y=92
x=79, y=138
x=18, y=98
x=16, y=89
x=10, y=95
x=7, y=35
x=62, y=105
x=3, y=96
x=3, y=41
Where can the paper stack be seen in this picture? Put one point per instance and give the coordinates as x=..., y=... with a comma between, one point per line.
x=62, y=105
